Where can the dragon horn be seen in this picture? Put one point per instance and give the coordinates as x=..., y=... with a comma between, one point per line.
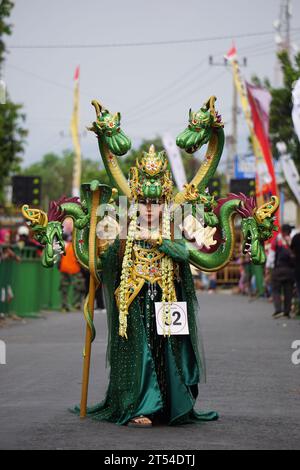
x=210, y=104
x=98, y=107
x=35, y=216
x=267, y=210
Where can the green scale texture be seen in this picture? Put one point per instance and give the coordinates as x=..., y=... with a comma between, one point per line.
x=149, y=374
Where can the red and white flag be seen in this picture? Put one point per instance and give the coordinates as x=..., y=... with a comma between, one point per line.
x=232, y=53
x=77, y=72
x=259, y=100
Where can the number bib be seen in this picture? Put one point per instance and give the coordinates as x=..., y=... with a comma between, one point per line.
x=179, y=319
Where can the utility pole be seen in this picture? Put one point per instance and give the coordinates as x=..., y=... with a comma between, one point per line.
x=282, y=36
x=233, y=138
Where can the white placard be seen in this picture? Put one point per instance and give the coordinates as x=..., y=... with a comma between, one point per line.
x=179, y=325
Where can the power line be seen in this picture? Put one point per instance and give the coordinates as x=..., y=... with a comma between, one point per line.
x=169, y=89
x=176, y=100
x=46, y=80
x=143, y=44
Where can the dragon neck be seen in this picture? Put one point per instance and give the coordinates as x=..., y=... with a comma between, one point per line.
x=80, y=231
x=209, y=166
x=217, y=260
x=113, y=169
x=74, y=211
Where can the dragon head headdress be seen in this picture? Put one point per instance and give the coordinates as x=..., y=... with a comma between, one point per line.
x=150, y=179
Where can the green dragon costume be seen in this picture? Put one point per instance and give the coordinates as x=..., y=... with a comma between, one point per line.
x=151, y=374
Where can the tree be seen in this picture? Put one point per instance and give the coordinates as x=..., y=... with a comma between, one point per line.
x=281, y=124
x=12, y=133
x=56, y=171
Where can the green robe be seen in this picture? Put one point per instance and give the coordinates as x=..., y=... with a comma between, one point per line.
x=151, y=375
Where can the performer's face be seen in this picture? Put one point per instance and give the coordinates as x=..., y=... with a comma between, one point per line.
x=149, y=214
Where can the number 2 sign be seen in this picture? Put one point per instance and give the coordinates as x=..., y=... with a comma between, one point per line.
x=179, y=321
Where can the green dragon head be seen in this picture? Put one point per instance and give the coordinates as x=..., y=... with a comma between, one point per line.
x=107, y=127
x=258, y=225
x=52, y=239
x=150, y=179
x=47, y=233
x=200, y=128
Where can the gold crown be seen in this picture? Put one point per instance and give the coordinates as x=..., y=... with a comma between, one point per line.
x=152, y=163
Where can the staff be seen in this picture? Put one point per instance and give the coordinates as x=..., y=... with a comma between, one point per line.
x=89, y=304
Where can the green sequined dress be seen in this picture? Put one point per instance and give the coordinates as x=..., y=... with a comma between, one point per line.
x=151, y=375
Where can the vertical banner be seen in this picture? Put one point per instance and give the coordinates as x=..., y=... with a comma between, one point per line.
x=175, y=160
x=75, y=138
x=259, y=100
x=262, y=175
x=289, y=169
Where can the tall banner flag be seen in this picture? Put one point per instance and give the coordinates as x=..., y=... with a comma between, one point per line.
x=75, y=137
x=263, y=176
x=289, y=169
x=260, y=100
x=175, y=160
x=296, y=108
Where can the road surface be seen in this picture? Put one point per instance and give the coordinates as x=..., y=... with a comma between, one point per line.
x=251, y=382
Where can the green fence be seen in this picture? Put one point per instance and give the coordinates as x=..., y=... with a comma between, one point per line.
x=27, y=287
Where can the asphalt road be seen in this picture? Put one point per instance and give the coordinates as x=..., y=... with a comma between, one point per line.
x=252, y=383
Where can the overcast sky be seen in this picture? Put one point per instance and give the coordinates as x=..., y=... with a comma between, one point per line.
x=152, y=86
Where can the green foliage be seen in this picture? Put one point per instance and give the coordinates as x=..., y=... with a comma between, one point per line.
x=281, y=123
x=5, y=28
x=12, y=139
x=190, y=163
x=56, y=171
x=12, y=133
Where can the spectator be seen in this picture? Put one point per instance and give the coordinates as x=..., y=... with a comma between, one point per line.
x=281, y=261
x=295, y=247
x=70, y=277
x=212, y=283
x=100, y=306
x=5, y=246
x=24, y=239
x=245, y=274
x=6, y=253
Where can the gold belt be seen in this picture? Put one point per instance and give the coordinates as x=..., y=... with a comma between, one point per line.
x=146, y=266
x=147, y=263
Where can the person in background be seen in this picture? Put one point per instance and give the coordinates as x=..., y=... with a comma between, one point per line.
x=70, y=277
x=6, y=250
x=281, y=261
x=197, y=277
x=245, y=274
x=6, y=253
x=295, y=247
x=24, y=240
x=100, y=306
x=212, y=283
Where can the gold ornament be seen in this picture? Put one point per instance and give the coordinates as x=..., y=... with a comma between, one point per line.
x=266, y=210
x=35, y=216
x=152, y=163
